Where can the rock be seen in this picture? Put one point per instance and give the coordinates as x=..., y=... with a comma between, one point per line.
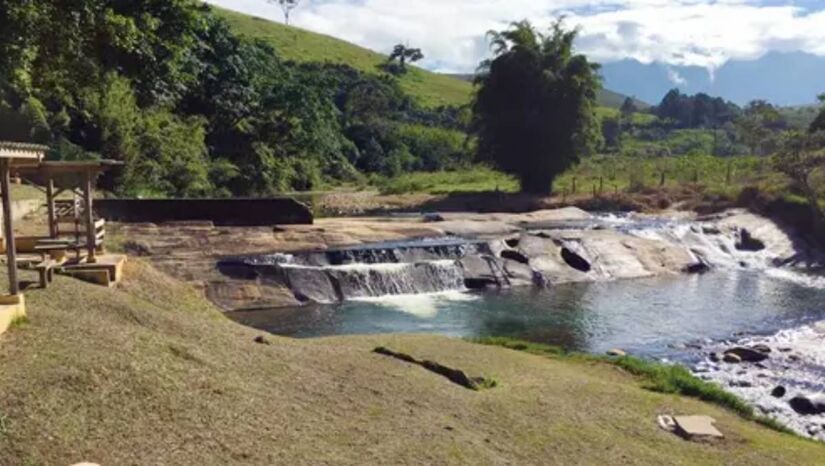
x=575, y=261
x=514, y=255
x=740, y=383
x=748, y=243
x=519, y=274
x=711, y=230
x=808, y=406
x=615, y=352
x=137, y=248
x=482, y=272
x=433, y=218
x=762, y=348
x=262, y=340
x=779, y=391
x=747, y=354
x=512, y=242
x=731, y=358
x=310, y=284
x=714, y=357
x=697, y=268
x=794, y=358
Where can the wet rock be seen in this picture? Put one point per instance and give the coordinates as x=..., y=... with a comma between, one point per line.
x=481, y=272
x=762, y=348
x=617, y=353
x=740, y=383
x=748, y=243
x=433, y=218
x=808, y=406
x=731, y=358
x=697, y=268
x=311, y=285
x=715, y=357
x=779, y=392
x=514, y=255
x=519, y=274
x=512, y=242
x=747, y=354
x=711, y=230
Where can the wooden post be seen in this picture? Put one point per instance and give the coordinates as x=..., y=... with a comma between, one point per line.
x=53, y=233
x=8, y=228
x=91, y=238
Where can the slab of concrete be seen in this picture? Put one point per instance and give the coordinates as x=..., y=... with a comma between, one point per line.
x=697, y=427
x=107, y=270
x=12, y=308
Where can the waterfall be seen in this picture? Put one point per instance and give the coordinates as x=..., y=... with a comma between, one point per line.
x=353, y=281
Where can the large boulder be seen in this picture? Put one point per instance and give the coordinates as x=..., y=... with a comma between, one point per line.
x=747, y=354
x=808, y=405
x=748, y=243
x=482, y=272
x=311, y=284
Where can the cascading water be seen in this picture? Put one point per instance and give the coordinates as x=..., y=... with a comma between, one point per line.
x=355, y=281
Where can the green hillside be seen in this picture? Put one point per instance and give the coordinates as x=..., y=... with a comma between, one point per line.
x=432, y=89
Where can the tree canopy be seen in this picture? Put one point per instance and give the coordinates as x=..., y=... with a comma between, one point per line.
x=534, y=110
x=193, y=109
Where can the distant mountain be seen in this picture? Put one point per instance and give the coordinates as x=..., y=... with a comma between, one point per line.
x=605, y=98
x=785, y=79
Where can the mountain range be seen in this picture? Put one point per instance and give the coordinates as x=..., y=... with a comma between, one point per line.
x=786, y=79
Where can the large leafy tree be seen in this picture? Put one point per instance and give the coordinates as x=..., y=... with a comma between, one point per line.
x=534, y=109
x=801, y=156
x=819, y=122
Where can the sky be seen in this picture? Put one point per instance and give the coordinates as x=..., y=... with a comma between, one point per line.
x=451, y=33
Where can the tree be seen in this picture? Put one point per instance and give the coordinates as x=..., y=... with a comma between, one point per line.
x=628, y=108
x=287, y=6
x=800, y=156
x=759, y=125
x=819, y=123
x=403, y=54
x=534, y=109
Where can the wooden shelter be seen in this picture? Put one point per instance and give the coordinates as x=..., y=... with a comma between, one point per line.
x=78, y=178
x=12, y=154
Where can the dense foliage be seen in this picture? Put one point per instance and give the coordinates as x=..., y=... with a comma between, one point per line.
x=168, y=88
x=534, y=112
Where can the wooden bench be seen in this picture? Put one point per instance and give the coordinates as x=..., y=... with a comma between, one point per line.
x=45, y=271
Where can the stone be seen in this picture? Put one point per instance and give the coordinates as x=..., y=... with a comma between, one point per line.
x=697, y=427
x=740, y=383
x=615, y=352
x=762, y=348
x=311, y=284
x=433, y=218
x=808, y=406
x=747, y=354
x=779, y=391
x=262, y=340
x=481, y=272
x=714, y=357
x=748, y=243
x=731, y=358
x=697, y=268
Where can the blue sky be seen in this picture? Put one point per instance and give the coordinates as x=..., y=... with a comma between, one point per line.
x=706, y=33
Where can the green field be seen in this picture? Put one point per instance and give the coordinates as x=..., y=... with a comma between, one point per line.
x=430, y=89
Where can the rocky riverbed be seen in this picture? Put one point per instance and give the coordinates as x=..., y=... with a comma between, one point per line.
x=782, y=375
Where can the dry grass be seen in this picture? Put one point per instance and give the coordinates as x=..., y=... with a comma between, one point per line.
x=151, y=374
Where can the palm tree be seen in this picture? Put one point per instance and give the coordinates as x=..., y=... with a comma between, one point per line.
x=534, y=110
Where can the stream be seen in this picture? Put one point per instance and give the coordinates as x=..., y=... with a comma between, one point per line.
x=743, y=296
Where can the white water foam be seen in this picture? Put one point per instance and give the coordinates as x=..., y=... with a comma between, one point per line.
x=424, y=305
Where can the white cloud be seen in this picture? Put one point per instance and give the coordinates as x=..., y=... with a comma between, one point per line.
x=675, y=77
x=680, y=32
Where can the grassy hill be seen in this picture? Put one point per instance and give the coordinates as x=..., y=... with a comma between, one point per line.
x=431, y=89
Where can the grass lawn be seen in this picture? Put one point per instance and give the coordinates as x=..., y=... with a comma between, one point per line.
x=150, y=373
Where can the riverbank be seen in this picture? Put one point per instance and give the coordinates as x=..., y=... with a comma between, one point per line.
x=152, y=373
